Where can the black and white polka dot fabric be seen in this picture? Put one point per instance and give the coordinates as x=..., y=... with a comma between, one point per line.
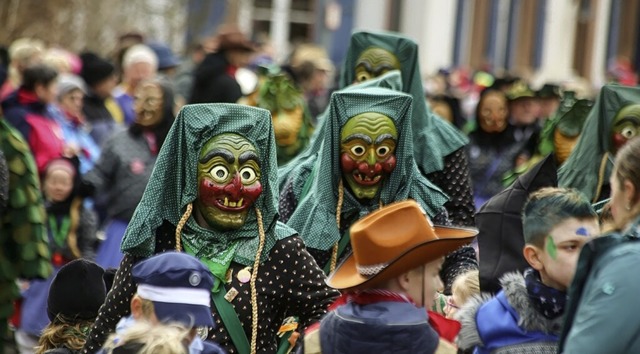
x=289, y=283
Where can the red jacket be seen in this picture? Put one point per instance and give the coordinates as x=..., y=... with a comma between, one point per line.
x=30, y=117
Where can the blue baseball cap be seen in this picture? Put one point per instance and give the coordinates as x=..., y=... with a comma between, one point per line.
x=179, y=285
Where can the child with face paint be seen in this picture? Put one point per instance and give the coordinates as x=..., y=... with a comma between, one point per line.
x=213, y=194
x=557, y=223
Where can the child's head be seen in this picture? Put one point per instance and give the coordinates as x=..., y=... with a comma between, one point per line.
x=145, y=338
x=75, y=296
x=172, y=287
x=466, y=285
x=58, y=180
x=557, y=222
x=397, y=248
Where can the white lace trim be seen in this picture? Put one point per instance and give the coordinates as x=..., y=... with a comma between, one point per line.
x=371, y=270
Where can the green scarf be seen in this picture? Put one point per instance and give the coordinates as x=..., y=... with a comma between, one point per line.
x=433, y=138
x=581, y=169
x=315, y=216
x=173, y=185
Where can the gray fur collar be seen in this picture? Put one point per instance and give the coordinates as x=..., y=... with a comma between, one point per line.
x=516, y=293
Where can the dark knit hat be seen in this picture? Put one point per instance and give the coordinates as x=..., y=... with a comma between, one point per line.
x=94, y=68
x=77, y=291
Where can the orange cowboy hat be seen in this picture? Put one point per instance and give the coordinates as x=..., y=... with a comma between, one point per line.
x=391, y=241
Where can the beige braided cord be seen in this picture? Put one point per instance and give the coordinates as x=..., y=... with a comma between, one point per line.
x=603, y=167
x=254, y=274
x=252, y=282
x=334, y=252
x=180, y=226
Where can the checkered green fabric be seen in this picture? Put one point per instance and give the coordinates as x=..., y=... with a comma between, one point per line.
x=580, y=171
x=173, y=182
x=315, y=215
x=433, y=138
x=298, y=169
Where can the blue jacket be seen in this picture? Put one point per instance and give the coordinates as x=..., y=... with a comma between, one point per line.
x=384, y=327
x=508, y=320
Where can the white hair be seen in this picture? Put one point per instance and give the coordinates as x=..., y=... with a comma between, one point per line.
x=140, y=53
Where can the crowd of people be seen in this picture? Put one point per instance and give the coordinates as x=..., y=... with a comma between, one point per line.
x=224, y=203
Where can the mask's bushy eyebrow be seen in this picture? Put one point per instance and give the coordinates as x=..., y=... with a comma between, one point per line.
x=246, y=156
x=225, y=154
x=358, y=136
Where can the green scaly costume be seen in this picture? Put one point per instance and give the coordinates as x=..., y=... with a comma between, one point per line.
x=24, y=250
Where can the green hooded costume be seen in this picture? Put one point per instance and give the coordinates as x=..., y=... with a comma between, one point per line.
x=292, y=120
x=293, y=183
x=589, y=166
x=173, y=187
x=315, y=216
x=24, y=250
x=433, y=137
x=438, y=146
x=559, y=134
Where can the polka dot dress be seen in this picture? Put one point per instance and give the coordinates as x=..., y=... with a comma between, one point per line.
x=289, y=283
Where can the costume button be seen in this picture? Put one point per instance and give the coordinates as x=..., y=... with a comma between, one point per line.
x=608, y=288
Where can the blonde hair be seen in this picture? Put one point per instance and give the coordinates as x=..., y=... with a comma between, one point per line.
x=466, y=285
x=63, y=333
x=152, y=339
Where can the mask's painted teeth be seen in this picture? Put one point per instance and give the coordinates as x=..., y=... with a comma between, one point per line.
x=232, y=204
x=239, y=204
x=226, y=201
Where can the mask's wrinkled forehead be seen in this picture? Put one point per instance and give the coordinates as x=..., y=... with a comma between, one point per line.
x=374, y=62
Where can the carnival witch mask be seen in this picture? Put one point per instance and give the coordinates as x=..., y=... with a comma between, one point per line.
x=492, y=112
x=148, y=104
x=626, y=125
x=228, y=181
x=367, y=152
x=374, y=62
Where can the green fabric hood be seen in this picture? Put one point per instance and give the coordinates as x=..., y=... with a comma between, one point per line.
x=433, y=138
x=315, y=216
x=298, y=165
x=173, y=182
x=581, y=169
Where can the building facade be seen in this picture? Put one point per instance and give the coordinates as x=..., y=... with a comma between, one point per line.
x=541, y=40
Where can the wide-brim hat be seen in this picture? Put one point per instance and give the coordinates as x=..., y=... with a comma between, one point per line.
x=392, y=241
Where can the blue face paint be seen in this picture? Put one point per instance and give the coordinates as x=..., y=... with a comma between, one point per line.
x=581, y=231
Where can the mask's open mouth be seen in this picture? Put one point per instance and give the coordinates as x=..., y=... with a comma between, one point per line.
x=231, y=205
x=365, y=180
